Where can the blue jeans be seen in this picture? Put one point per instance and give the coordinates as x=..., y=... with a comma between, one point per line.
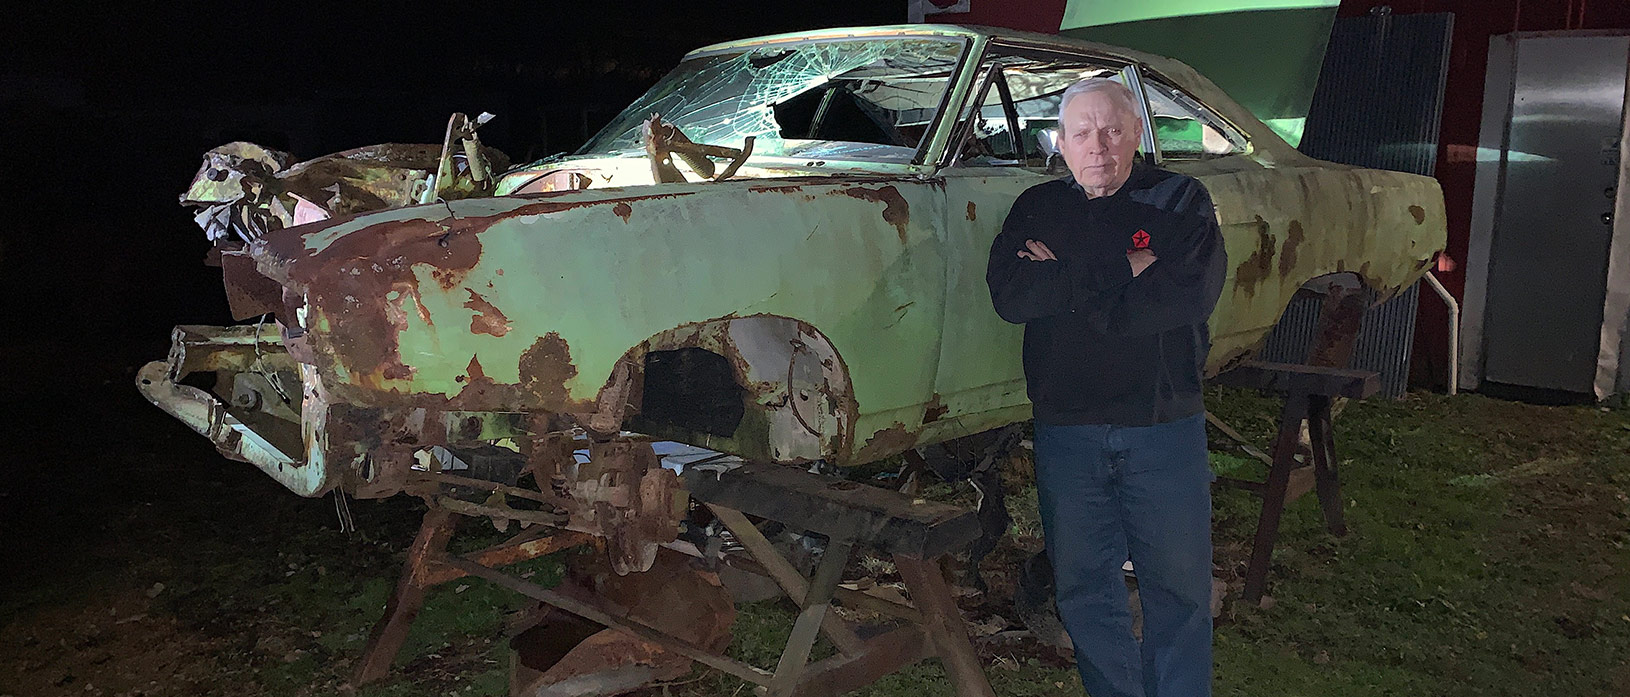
x=1112, y=493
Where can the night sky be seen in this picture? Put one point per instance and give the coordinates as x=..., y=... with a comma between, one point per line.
x=108, y=113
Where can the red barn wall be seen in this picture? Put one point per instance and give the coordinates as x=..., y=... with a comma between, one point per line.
x=1475, y=21
x=1042, y=16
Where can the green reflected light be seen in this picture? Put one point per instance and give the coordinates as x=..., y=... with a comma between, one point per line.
x=1092, y=13
x=1265, y=54
x=1289, y=129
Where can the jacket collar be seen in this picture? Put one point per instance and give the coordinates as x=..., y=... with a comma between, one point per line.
x=1138, y=179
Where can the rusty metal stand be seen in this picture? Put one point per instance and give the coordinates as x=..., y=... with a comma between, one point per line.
x=1308, y=392
x=427, y=566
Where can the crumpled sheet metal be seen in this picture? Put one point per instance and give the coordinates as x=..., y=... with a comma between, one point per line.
x=244, y=190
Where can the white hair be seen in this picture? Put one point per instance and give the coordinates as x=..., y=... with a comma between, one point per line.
x=1116, y=91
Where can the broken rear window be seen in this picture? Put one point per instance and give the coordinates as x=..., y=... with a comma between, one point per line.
x=852, y=99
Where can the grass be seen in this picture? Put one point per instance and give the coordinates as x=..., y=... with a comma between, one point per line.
x=1487, y=556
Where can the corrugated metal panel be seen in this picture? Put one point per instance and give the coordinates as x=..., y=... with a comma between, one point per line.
x=1379, y=102
x=1405, y=58
x=1384, y=340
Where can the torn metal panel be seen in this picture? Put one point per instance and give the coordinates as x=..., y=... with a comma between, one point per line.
x=244, y=191
x=664, y=141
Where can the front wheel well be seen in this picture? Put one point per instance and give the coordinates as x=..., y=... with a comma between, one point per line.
x=763, y=387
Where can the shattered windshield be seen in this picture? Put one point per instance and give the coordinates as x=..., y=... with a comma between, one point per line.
x=870, y=99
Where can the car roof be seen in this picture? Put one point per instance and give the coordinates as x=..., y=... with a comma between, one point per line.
x=955, y=31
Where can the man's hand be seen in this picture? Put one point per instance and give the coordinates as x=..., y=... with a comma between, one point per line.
x=1140, y=259
x=1036, y=251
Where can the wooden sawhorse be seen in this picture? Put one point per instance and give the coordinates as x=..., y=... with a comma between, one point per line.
x=915, y=533
x=1308, y=392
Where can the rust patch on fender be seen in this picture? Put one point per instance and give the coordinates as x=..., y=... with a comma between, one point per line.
x=971, y=213
x=891, y=440
x=896, y=211
x=481, y=391
x=347, y=282
x=1287, y=254
x=488, y=319
x=353, y=290
x=546, y=367
x=249, y=294
x=623, y=210
x=934, y=410
x=1255, y=269
x=448, y=278
x=1418, y=213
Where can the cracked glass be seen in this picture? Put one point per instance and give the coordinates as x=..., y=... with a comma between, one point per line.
x=863, y=99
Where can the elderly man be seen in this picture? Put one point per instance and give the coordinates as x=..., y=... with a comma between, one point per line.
x=1114, y=270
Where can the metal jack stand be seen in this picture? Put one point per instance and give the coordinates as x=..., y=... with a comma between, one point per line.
x=428, y=565
x=1308, y=392
x=915, y=533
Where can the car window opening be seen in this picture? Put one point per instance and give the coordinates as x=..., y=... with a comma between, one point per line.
x=855, y=99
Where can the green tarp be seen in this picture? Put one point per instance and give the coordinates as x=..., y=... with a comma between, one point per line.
x=1265, y=54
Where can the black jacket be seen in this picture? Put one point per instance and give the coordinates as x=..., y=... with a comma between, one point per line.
x=1100, y=346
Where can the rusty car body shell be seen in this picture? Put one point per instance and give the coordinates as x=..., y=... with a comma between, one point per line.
x=847, y=297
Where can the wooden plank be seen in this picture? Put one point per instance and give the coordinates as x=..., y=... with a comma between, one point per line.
x=1240, y=440
x=849, y=597
x=884, y=654
x=782, y=572
x=391, y=631
x=1273, y=496
x=1285, y=378
x=1322, y=432
x=838, y=508
x=513, y=552
x=943, y=623
x=795, y=655
x=591, y=613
